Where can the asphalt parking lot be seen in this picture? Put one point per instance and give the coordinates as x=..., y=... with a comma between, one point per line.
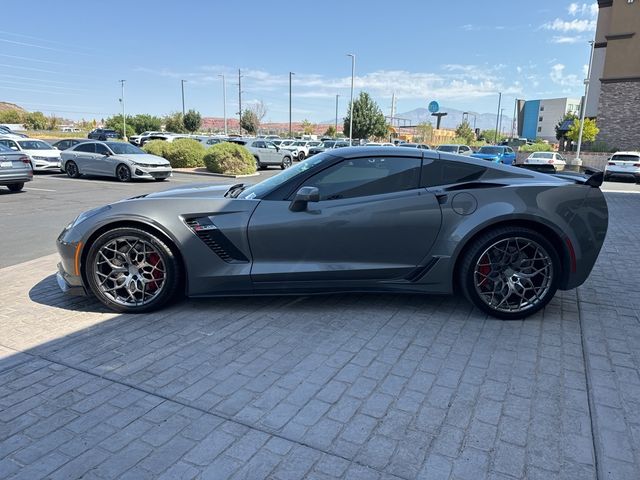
x=342, y=386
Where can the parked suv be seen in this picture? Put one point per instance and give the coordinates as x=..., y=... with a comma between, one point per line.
x=265, y=152
x=299, y=149
x=102, y=134
x=496, y=154
x=623, y=164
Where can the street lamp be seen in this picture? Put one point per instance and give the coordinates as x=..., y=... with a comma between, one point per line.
x=290, y=130
x=495, y=140
x=353, y=72
x=124, y=117
x=501, y=116
x=182, y=84
x=577, y=160
x=466, y=114
x=336, y=127
x=224, y=102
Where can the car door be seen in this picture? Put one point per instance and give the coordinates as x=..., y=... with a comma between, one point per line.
x=10, y=144
x=82, y=155
x=372, y=222
x=509, y=156
x=102, y=161
x=275, y=155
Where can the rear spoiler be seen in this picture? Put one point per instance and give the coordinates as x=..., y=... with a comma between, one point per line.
x=586, y=175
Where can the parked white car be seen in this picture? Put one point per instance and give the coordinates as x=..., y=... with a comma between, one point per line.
x=139, y=139
x=455, y=148
x=299, y=149
x=623, y=164
x=546, y=158
x=379, y=144
x=42, y=155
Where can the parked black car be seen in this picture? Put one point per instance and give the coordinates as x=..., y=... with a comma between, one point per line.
x=68, y=143
x=102, y=134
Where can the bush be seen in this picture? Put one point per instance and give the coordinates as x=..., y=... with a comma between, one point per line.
x=536, y=147
x=156, y=147
x=185, y=153
x=229, y=159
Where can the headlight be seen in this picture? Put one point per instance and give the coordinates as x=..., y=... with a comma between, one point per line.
x=88, y=214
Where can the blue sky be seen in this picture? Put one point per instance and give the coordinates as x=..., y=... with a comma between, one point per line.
x=67, y=57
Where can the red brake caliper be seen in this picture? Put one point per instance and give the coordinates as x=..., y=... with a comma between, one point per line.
x=154, y=260
x=484, y=270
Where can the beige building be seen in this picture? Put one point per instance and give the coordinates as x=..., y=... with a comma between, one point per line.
x=614, y=96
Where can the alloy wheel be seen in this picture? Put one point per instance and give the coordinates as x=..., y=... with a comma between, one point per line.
x=513, y=275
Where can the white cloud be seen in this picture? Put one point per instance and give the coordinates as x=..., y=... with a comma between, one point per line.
x=583, y=9
x=559, y=77
x=575, y=25
x=566, y=39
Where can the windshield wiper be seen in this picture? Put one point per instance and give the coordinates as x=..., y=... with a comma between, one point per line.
x=235, y=190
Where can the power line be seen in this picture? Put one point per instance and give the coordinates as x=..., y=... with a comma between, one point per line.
x=46, y=86
x=17, y=57
x=12, y=34
x=36, y=79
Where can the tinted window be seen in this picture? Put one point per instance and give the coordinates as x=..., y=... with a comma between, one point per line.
x=4, y=149
x=259, y=145
x=34, y=145
x=101, y=149
x=361, y=177
x=542, y=155
x=491, y=150
x=10, y=144
x=121, y=148
x=448, y=148
x=444, y=172
x=626, y=158
x=85, y=147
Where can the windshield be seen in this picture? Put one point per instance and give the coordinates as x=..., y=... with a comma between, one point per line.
x=34, y=145
x=329, y=144
x=121, y=148
x=260, y=189
x=491, y=150
x=542, y=155
x=626, y=158
x=299, y=144
x=448, y=148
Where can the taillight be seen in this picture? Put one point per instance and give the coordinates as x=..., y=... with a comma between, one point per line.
x=25, y=159
x=550, y=161
x=636, y=164
x=611, y=163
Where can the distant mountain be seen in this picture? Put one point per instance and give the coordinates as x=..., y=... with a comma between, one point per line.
x=483, y=121
x=10, y=106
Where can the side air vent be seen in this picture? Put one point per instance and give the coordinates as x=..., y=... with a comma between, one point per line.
x=206, y=231
x=420, y=272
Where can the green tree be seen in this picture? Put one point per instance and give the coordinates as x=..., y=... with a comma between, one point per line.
x=368, y=119
x=561, y=134
x=330, y=131
x=307, y=127
x=36, y=121
x=11, y=116
x=115, y=123
x=490, y=136
x=424, y=132
x=174, y=123
x=465, y=132
x=249, y=121
x=589, y=132
x=192, y=121
x=145, y=123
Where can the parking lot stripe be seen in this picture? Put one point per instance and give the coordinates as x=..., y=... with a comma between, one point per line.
x=40, y=189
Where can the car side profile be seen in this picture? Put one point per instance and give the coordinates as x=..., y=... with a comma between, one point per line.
x=114, y=159
x=68, y=143
x=359, y=219
x=455, y=148
x=266, y=153
x=102, y=134
x=496, y=154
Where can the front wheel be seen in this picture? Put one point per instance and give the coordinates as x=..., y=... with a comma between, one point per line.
x=123, y=173
x=72, y=169
x=510, y=272
x=286, y=163
x=301, y=156
x=131, y=270
x=15, y=187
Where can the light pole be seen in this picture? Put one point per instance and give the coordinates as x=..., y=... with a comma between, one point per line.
x=182, y=85
x=336, y=126
x=577, y=160
x=124, y=116
x=224, y=101
x=290, y=130
x=501, y=117
x=353, y=72
x=495, y=140
x=514, y=119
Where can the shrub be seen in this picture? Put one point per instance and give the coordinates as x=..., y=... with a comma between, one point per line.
x=156, y=147
x=536, y=147
x=185, y=153
x=229, y=159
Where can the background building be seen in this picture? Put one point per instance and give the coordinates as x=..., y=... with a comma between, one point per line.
x=538, y=118
x=614, y=88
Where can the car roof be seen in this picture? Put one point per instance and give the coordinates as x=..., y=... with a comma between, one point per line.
x=363, y=151
x=627, y=153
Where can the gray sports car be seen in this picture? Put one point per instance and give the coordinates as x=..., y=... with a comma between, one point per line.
x=365, y=219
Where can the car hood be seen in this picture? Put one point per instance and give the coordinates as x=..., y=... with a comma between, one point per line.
x=146, y=159
x=487, y=156
x=43, y=153
x=200, y=190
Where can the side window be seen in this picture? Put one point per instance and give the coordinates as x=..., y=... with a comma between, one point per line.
x=362, y=177
x=102, y=149
x=259, y=145
x=85, y=147
x=271, y=145
x=444, y=172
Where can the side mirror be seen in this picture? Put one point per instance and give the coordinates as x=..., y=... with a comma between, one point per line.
x=303, y=197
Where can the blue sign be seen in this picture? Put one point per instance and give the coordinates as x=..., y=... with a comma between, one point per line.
x=434, y=107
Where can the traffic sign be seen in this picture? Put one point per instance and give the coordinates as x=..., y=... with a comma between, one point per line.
x=434, y=107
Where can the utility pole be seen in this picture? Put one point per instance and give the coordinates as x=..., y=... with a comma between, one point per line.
x=182, y=83
x=290, y=130
x=240, y=101
x=124, y=117
x=495, y=140
x=353, y=72
x=501, y=117
x=577, y=160
x=336, y=127
x=393, y=107
x=513, y=120
x=224, y=102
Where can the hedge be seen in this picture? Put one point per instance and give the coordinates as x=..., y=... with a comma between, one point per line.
x=229, y=159
x=185, y=153
x=156, y=147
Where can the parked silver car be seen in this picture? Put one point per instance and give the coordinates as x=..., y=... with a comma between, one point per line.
x=114, y=159
x=15, y=169
x=455, y=148
x=266, y=153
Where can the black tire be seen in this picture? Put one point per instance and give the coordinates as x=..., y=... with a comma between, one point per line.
x=160, y=179
x=123, y=173
x=171, y=263
x=301, y=156
x=638, y=179
x=71, y=169
x=286, y=162
x=481, y=246
x=259, y=166
x=16, y=187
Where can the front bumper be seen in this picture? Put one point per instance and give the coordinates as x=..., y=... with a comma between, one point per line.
x=69, y=277
x=151, y=173
x=66, y=287
x=45, y=165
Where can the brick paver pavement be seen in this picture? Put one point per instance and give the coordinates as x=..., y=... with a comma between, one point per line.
x=342, y=386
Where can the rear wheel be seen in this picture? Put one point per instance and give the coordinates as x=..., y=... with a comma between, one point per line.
x=72, y=169
x=15, y=187
x=131, y=270
x=301, y=156
x=259, y=165
x=123, y=173
x=510, y=272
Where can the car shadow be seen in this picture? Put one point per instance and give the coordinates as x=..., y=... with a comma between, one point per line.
x=6, y=191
